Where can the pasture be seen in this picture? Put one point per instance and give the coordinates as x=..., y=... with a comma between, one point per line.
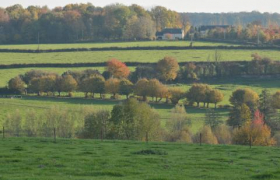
x=40, y=158
x=132, y=56
x=113, y=44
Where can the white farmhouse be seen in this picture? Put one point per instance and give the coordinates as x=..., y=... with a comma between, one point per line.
x=170, y=34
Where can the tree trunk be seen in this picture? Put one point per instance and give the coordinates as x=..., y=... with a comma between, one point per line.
x=144, y=98
x=197, y=104
x=208, y=105
x=126, y=96
x=93, y=95
x=215, y=105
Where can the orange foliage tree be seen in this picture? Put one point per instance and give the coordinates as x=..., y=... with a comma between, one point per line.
x=117, y=69
x=168, y=69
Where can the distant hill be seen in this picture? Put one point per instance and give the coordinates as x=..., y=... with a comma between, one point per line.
x=241, y=18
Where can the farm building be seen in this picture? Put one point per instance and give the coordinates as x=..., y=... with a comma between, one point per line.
x=170, y=34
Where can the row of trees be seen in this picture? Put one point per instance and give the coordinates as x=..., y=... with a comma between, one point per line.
x=84, y=22
x=133, y=120
x=97, y=84
x=253, y=32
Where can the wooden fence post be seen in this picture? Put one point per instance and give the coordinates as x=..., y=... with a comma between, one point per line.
x=250, y=141
x=54, y=135
x=200, y=139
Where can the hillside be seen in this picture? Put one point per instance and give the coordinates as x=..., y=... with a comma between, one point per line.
x=23, y=158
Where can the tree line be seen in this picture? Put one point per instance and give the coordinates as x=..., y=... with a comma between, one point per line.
x=84, y=22
x=134, y=120
x=253, y=32
x=232, y=18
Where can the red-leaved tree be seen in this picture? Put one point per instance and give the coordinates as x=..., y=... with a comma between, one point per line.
x=117, y=69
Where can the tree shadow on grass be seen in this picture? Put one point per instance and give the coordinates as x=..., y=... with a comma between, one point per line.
x=238, y=81
x=78, y=101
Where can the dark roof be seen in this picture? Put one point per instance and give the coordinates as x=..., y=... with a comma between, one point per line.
x=169, y=31
x=204, y=28
x=159, y=34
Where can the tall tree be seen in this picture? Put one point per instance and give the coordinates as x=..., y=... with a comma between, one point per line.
x=167, y=69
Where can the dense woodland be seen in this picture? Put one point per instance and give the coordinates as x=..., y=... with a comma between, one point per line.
x=86, y=22
x=232, y=18
x=83, y=22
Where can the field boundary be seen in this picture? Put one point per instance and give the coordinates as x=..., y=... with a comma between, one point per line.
x=100, y=64
x=148, y=48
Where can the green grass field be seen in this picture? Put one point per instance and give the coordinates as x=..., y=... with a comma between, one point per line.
x=116, y=44
x=132, y=56
x=33, y=159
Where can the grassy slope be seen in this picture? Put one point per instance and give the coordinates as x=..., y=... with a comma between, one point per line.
x=88, y=159
x=132, y=56
x=116, y=44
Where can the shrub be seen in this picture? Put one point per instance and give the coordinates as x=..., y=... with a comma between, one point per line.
x=223, y=134
x=207, y=136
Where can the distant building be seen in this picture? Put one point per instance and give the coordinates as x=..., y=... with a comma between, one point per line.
x=170, y=34
x=204, y=29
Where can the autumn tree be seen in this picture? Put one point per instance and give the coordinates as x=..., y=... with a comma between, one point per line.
x=176, y=94
x=48, y=83
x=239, y=115
x=93, y=84
x=167, y=69
x=117, y=69
x=36, y=86
x=156, y=89
x=125, y=87
x=223, y=134
x=141, y=88
x=215, y=96
x=187, y=72
x=254, y=132
x=112, y=86
x=197, y=93
x=16, y=85
x=247, y=96
x=207, y=136
x=68, y=84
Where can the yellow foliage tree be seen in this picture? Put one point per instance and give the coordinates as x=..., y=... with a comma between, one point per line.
x=112, y=86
